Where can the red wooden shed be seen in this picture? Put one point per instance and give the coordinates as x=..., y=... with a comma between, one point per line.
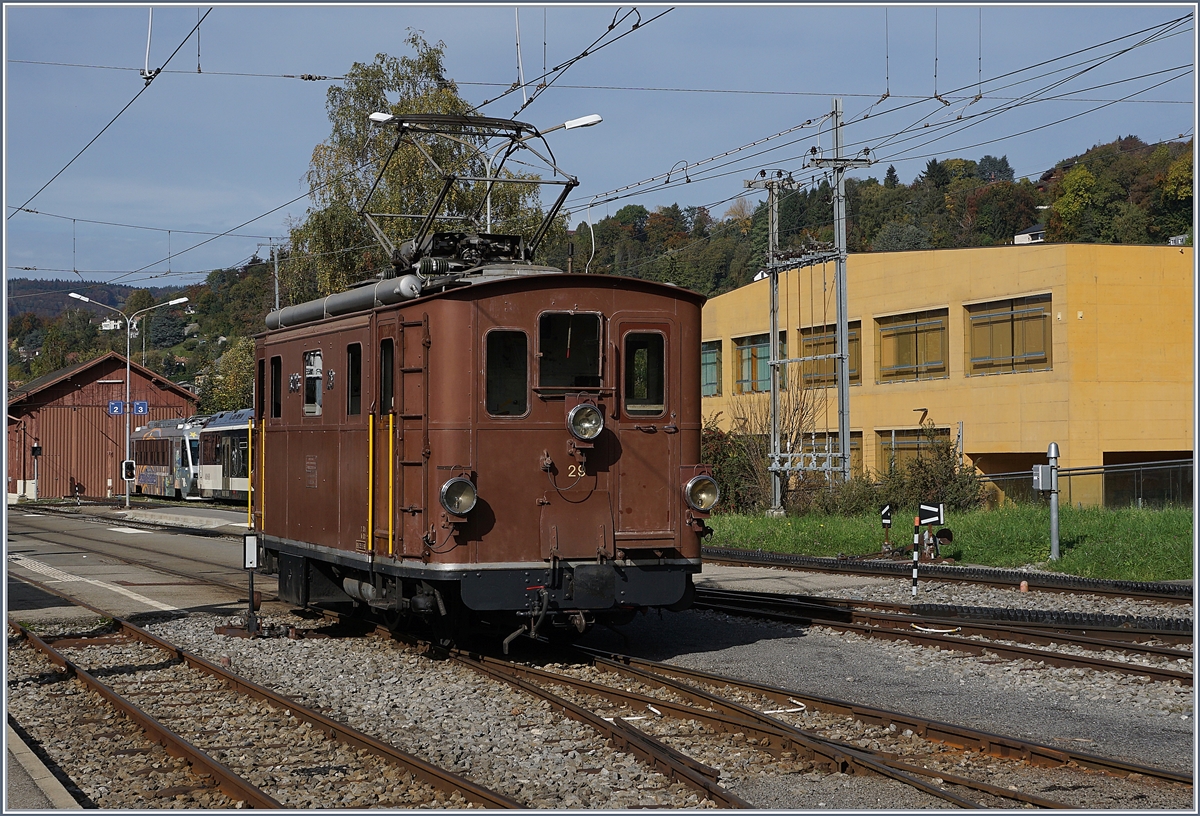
x=65, y=413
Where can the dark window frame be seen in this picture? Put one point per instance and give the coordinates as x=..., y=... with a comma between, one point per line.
x=626, y=371
x=354, y=379
x=542, y=350
x=488, y=373
x=387, y=375
x=276, y=387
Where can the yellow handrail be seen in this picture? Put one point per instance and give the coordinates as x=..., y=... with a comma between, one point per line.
x=371, y=484
x=391, y=482
x=250, y=473
x=262, y=479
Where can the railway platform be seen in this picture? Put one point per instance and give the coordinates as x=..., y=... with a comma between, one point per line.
x=29, y=783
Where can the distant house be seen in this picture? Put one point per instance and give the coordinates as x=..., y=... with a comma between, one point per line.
x=1177, y=240
x=108, y=324
x=1031, y=235
x=65, y=416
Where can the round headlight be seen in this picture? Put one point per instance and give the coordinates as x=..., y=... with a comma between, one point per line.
x=585, y=421
x=458, y=496
x=702, y=493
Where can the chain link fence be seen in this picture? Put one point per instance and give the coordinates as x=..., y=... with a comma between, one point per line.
x=1146, y=484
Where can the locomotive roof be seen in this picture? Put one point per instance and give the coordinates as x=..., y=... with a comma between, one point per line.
x=482, y=282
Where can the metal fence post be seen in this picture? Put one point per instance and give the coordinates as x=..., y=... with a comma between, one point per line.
x=1052, y=455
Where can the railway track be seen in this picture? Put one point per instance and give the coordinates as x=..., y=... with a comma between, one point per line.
x=255, y=746
x=882, y=730
x=1002, y=638
x=879, y=566
x=719, y=725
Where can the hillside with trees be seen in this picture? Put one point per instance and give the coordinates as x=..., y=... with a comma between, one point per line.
x=1124, y=191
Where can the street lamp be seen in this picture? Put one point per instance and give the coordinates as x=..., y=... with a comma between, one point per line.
x=128, y=344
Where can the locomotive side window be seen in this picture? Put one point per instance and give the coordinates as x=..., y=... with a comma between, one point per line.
x=387, y=367
x=276, y=387
x=507, y=373
x=645, y=370
x=568, y=350
x=312, y=383
x=259, y=388
x=354, y=377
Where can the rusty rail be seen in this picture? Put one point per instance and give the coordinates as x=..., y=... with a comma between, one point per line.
x=228, y=782
x=436, y=777
x=901, y=627
x=957, y=736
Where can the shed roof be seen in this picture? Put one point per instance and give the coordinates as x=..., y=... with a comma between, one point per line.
x=28, y=389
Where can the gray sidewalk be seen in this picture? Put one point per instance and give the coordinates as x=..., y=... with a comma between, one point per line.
x=30, y=785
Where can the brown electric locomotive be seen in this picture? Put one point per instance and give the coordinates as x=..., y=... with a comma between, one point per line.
x=478, y=440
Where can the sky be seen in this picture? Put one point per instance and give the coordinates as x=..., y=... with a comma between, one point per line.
x=219, y=143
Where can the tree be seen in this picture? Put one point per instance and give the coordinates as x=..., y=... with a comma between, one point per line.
x=890, y=179
x=896, y=237
x=138, y=300
x=331, y=246
x=1001, y=210
x=166, y=330
x=992, y=169
x=936, y=174
x=229, y=382
x=1071, y=214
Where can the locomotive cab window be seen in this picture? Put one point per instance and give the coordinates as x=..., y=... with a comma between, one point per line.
x=312, y=383
x=387, y=358
x=507, y=373
x=354, y=379
x=276, y=387
x=645, y=374
x=568, y=350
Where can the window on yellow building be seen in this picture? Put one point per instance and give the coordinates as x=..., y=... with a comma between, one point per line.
x=752, y=361
x=822, y=443
x=1009, y=335
x=912, y=347
x=818, y=341
x=897, y=448
x=710, y=369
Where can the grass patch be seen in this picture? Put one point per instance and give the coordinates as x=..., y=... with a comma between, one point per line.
x=1126, y=544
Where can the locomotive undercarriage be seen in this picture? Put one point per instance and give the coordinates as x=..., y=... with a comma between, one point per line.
x=544, y=599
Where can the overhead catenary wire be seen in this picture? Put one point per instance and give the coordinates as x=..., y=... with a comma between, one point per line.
x=149, y=80
x=1160, y=30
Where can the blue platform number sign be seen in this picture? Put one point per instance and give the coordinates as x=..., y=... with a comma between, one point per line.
x=115, y=407
x=141, y=408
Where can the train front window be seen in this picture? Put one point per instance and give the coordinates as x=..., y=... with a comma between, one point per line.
x=507, y=373
x=312, y=383
x=645, y=370
x=568, y=350
x=194, y=452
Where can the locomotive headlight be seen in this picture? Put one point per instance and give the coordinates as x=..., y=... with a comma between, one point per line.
x=702, y=493
x=585, y=421
x=458, y=496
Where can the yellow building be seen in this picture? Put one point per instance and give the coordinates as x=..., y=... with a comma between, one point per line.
x=1090, y=346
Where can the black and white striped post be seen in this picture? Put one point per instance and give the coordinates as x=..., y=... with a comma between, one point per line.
x=916, y=550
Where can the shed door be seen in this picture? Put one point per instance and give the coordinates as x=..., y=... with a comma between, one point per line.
x=647, y=387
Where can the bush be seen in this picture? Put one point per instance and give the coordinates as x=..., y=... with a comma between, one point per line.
x=740, y=467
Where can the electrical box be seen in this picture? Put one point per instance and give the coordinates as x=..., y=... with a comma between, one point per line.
x=1045, y=478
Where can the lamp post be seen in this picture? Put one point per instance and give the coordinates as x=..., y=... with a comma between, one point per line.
x=128, y=351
